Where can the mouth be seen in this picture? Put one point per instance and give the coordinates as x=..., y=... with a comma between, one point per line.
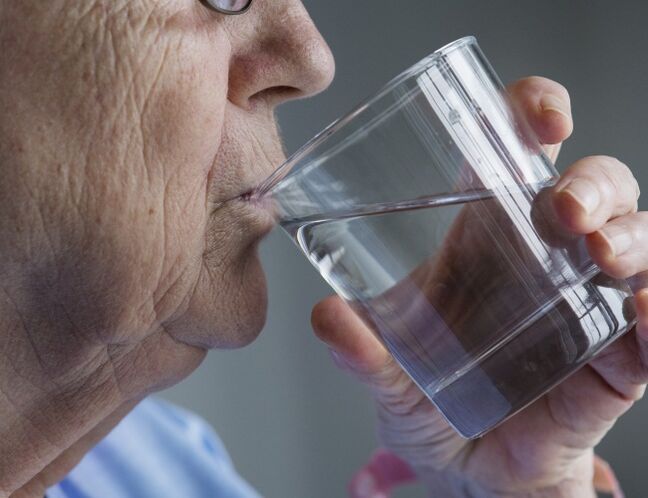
x=253, y=196
x=250, y=204
x=256, y=195
x=259, y=202
x=255, y=214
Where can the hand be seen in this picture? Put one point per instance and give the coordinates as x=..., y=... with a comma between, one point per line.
x=548, y=448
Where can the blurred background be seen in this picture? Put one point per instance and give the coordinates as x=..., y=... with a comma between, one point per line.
x=294, y=425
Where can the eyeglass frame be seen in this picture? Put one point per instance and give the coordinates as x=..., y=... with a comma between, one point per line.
x=224, y=11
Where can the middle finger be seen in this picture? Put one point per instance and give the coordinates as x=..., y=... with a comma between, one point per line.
x=592, y=191
x=619, y=247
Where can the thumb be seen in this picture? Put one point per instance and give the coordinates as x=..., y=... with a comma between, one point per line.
x=356, y=348
x=408, y=424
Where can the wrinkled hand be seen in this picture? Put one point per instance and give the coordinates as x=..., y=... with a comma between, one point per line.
x=546, y=450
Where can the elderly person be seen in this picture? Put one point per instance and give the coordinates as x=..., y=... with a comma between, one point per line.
x=128, y=131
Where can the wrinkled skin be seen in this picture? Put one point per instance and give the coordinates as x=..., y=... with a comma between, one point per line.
x=547, y=449
x=125, y=126
x=128, y=129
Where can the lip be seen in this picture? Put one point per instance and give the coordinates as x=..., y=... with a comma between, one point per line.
x=251, y=190
x=255, y=215
x=250, y=195
x=263, y=205
x=241, y=198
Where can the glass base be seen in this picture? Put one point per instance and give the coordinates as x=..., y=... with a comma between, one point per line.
x=536, y=360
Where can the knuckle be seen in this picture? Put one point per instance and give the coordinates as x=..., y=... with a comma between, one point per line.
x=396, y=395
x=533, y=81
x=638, y=393
x=550, y=86
x=536, y=85
x=623, y=169
x=614, y=167
x=615, y=174
x=606, y=162
x=561, y=91
x=642, y=219
x=602, y=171
x=619, y=267
x=562, y=413
x=639, y=231
x=539, y=81
x=625, y=367
x=639, y=390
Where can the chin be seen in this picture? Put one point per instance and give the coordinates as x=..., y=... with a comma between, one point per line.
x=228, y=308
x=251, y=310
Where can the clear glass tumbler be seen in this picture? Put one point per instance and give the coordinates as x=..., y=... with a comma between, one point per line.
x=424, y=209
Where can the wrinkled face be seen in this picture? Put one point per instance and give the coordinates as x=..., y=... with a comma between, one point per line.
x=134, y=125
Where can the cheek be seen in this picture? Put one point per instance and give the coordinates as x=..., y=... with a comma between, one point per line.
x=185, y=134
x=228, y=305
x=181, y=131
x=185, y=113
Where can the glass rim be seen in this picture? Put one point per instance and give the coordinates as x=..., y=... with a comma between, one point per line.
x=422, y=65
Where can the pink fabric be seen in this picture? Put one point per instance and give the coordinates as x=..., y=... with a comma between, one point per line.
x=383, y=472
x=604, y=478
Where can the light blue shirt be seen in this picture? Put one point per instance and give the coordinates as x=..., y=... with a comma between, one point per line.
x=157, y=451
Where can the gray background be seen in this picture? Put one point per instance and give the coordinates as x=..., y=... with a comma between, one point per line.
x=295, y=426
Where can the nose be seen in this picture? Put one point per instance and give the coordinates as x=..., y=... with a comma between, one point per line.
x=277, y=55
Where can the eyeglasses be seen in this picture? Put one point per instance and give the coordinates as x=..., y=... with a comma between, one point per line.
x=230, y=7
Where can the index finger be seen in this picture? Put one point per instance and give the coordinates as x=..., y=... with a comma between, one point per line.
x=547, y=107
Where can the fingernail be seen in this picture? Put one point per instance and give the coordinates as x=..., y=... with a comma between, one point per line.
x=584, y=192
x=618, y=238
x=550, y=102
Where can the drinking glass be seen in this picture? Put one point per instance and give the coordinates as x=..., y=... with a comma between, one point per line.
x=426, y=208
